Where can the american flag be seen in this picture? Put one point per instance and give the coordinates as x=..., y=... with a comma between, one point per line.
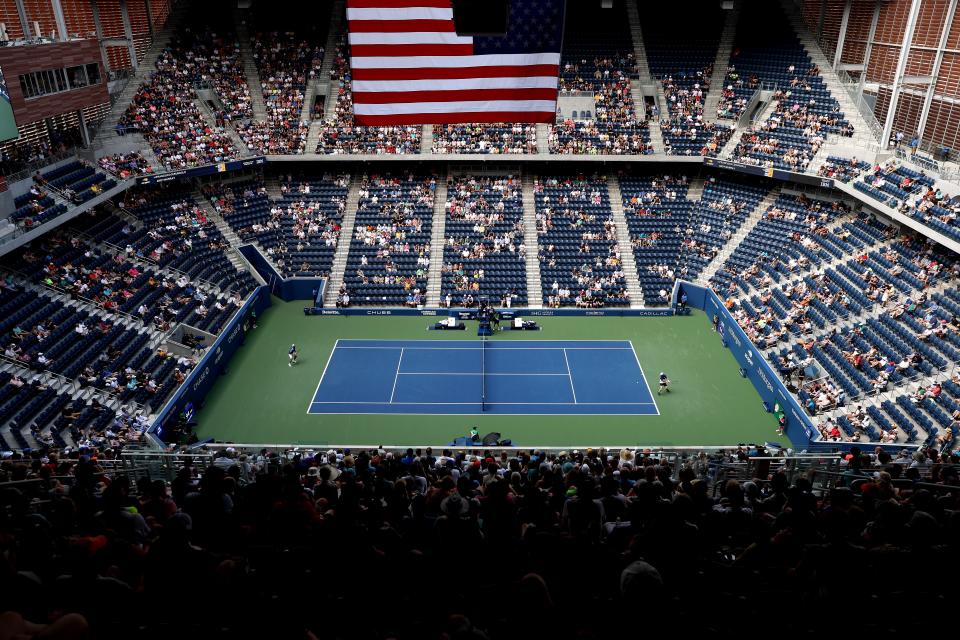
x=409, y=66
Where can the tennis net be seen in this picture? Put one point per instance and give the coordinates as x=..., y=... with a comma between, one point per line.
x=483, y=373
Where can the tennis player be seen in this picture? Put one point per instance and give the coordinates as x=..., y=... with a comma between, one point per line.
x=664, y=384
x=292, y=355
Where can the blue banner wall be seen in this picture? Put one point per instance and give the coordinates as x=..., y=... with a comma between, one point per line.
x=203, y=170
x=532, y=313
x=262, y=266
x=286, y=289
x=772, y=391
x=696, y=296
x=195, y=388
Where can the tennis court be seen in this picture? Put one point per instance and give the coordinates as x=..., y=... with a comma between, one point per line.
x=463, y=377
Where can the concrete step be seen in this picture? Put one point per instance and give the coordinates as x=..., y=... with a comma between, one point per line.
x=720, y=63
x=639, y=50
x=250, y=72
x=530, y=241
x=543, y=138
x=343, y=243
x=437, y=244
x=309, y=97
x=313, y=136
x=629, y=263
x=426, y=141
x=149, y=64
x=656, y=137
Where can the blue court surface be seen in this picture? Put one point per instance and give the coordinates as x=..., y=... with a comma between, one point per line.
x=461, y=377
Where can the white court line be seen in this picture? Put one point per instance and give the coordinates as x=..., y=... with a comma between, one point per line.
x=494, y=342
x=474, y=414
x=451, y=373
x=645, y=381
x=317, y=390
x=628, y=404
x=495, y=349
x=570, y=376
x=396, y=376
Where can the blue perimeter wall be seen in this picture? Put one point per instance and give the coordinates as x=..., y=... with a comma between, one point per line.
x=666, y=311
x=772, y=391
x=213, y=363
x=286, y=289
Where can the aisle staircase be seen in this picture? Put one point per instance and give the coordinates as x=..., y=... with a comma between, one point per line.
x=866, y=128
x=543, y=138
x=627, y=259
x=250, y=72
x=437, y=245
x=534, y=288
x=339, y=265
x=734, y=242
x=721, y=62
x=161, y=39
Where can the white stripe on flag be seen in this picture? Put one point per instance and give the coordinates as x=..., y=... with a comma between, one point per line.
x=411, y=37
x=534, y=82
x=403, y=13
x=419, y=62
x=453, y=107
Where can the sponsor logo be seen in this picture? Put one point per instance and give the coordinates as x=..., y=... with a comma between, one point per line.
x=218, y=355
x=428, y=313
x=380, y=312
x=765, y=380
x=594, y=313
x=540, y=313
x=733, y=336
x=203, y=376
x=329, y=312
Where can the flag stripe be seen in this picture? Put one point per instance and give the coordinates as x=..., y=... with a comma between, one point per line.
x=456, y=117
x=389, y=50
x=444, y=107
x=371, y=86
x=419, y=62
x=399, y=4
x=466, y=95
x=531, y=70
x=398, y=26
x=412, y=37
x=413, y=13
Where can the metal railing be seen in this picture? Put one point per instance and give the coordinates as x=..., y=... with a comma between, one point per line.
x=942, y=170
x=93, y=303
x=852, y=86
x=63, y=380
x=165, y=464
x=36, y=165
x=71, y=386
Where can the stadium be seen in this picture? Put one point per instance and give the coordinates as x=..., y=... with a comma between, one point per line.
x=562, y=308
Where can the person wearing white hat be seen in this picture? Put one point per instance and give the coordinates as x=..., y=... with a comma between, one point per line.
x=664, y=384
x=292, y=355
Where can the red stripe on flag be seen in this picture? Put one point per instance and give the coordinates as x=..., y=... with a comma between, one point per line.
x=400, y=26
x=448, y=118
x=389, y=97
x=362, y=50
x=397, y=4
x=458, y=73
